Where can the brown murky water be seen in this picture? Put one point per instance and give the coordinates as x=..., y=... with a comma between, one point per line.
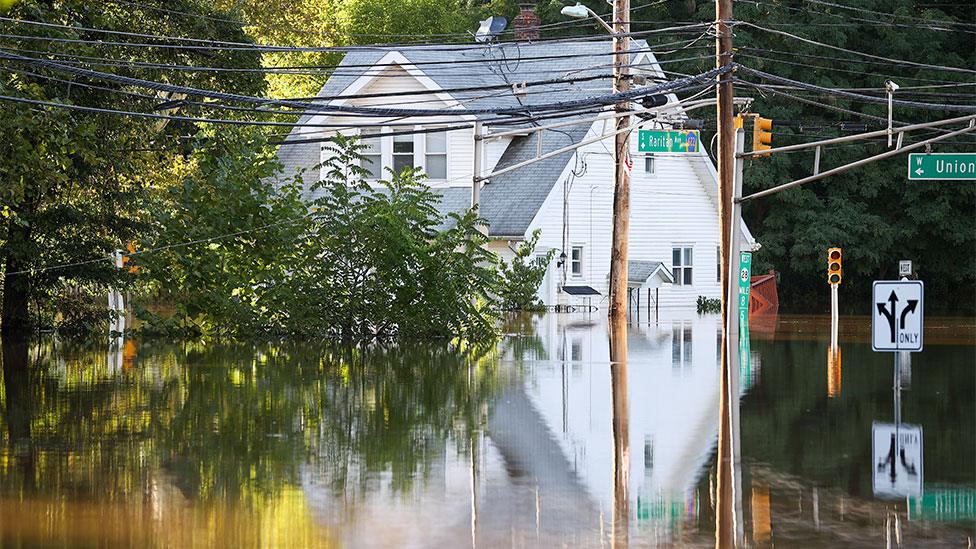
x=311, y=445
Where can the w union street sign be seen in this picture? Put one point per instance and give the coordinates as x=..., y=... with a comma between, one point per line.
x=959, y=166
x=663, y=141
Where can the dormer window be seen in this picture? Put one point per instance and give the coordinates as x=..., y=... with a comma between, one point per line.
x=403, y=148
x=425, y=150
x=435, y=161
x=372, y=152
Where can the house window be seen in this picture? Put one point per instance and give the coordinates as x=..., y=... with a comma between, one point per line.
x=680, y=346
x=576, y=350
x=372, y=152
x=576, y=261
x=403, y=146
x=435, y=161
x=718, y=263
x=649, y=164
x=681, y=263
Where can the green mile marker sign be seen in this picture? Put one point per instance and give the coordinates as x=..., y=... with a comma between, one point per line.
x=957, y=166
x=745, y=283
x=664, y=141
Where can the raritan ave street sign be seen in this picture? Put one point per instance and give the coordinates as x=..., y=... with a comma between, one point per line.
x=941, y=166
x=663, y=141
x=896, y=315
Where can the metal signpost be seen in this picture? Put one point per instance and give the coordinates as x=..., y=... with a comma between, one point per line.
x=897, y=312
x=958, y=166
x=664, y=141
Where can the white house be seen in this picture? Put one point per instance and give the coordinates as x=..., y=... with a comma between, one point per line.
x=674, y=230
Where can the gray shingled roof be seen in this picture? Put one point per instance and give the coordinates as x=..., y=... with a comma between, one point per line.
x=639, y=271
x=508, y=202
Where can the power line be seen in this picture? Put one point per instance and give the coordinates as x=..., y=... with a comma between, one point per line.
x=854, y=95
x=342, y=69
x=873, y=12
x=218, y=45
x=670, y=86
x=859, y=21
x=853, y=52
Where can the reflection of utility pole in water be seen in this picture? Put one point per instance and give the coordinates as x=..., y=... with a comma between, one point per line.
x=621, y=428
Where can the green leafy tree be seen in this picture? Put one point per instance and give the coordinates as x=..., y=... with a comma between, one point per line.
x=75, y=184
x=522, y=276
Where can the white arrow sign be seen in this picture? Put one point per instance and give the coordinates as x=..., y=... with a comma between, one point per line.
x=896, y=315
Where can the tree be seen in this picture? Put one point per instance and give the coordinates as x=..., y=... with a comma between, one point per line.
x=74, y=184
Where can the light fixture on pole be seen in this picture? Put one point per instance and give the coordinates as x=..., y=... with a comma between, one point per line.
x=579, y=11
x=891, y=88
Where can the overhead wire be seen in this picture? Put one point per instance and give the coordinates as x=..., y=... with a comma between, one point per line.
x=850, y=51
x=855, y=95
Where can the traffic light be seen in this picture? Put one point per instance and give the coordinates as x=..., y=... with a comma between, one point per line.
x=762, y=134
x=834, y=265
x=131, y=248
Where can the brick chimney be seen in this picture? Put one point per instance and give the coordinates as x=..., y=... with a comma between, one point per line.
x=527, y=22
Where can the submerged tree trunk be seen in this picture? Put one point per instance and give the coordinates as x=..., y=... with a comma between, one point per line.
x=14, y=310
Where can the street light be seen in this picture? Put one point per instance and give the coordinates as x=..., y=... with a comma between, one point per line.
x=620, y=32
x=579, y=11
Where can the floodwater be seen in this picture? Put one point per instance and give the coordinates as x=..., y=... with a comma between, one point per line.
x=514, y=445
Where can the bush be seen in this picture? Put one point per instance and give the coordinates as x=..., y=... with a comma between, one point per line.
x=707, y=305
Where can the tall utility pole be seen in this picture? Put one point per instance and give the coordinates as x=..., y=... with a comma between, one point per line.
x=725, y=516
x=621, y=187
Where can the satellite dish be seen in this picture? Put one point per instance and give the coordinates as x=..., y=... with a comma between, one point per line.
x=490, y=29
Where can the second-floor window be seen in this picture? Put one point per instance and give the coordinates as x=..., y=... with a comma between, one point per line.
x=435, y=161
x=681, y=263
x=372, y=153
x=383, y=152
x=402, y=152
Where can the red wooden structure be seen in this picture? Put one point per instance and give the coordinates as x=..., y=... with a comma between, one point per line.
x=763, y=299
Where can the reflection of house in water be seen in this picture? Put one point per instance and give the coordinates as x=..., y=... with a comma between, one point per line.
x=543, y=466
x=673, y=388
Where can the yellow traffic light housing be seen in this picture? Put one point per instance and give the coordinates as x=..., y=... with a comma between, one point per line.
x=834, y=265
x=131, y=247
x=762, y=134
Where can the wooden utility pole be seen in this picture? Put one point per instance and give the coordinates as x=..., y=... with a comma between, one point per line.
x=621, y=187
x=725, y=519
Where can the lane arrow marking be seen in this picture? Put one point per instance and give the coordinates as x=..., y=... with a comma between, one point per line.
x=910, y=308
x=890, y=315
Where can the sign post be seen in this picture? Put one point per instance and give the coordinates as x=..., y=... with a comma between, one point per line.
x=897, y=312
x=942, y=166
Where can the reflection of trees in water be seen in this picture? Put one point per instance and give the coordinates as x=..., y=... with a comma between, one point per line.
x=229, y=422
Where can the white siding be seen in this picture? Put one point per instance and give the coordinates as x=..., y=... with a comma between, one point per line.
x=669, y=207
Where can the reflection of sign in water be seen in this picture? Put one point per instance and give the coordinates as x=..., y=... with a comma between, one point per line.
x=897, y=465
x=949, y=504
x=896, y=315
x=745, y=277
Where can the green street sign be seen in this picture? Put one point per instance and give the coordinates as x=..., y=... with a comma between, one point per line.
x=663, y=141
x=745, y=281
x=957, y=166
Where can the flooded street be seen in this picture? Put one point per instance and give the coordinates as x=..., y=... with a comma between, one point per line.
x=511, y=445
